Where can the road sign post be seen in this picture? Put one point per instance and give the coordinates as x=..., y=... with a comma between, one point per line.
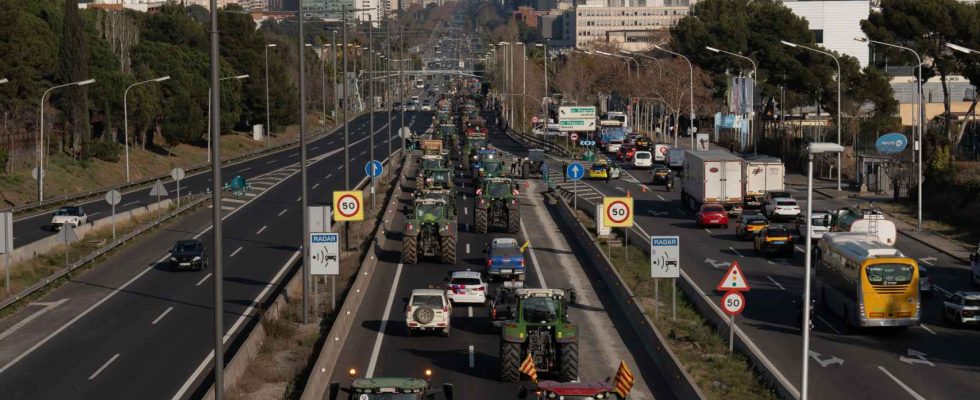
x=178, y=174
x=575, y=171
x=67, y=236
x=348, y=206
x=325, y=260
x=732, y=303
x=158, y=191
x=113, y=197
x=373, y=169
x=7, y=242
x=665, y=262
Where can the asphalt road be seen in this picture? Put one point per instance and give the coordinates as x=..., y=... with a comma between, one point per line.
x=378, y=344
x=934, y=361
x=150, y=336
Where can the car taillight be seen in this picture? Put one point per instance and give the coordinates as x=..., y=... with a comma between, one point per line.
x=966, y=313
x=489, y=262
x=480, y=289
x=445, y=309
x=522, y=262
x=493, y=313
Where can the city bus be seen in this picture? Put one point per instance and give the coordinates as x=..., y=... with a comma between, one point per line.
x=865, y=282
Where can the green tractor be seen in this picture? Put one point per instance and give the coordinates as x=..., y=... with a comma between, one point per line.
x=430, y=230
x=540, y=328
x=438, y=179
x=390, y=388
x=428, y=163
x=496, y=204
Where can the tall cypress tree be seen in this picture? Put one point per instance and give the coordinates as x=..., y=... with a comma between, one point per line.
x=75, y=67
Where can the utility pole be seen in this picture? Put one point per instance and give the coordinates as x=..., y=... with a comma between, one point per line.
x=346, y=106
x=370, y=81
x=216, y=187
x=388, y=90
x=336, y=99
x=302, y=162
x=401, y=77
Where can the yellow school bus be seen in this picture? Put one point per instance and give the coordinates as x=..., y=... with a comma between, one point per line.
x=865, y=282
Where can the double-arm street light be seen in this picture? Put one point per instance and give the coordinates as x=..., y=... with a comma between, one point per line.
x=660, y=68
x=126, y=116
x=237, y=77
x=691, y=67
x=40, y=137
x=917, y=120
x=839, y=155
x=755, y=77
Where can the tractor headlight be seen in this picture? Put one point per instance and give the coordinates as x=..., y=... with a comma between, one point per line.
x=174, y=259
x=197, y=258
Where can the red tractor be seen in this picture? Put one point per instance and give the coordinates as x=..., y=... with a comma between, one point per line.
x=568, y=390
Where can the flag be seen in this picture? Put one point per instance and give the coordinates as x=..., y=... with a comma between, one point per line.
x=624, y=380
x=525, y=245
x=527, y=368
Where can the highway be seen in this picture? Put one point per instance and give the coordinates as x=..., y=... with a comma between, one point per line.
x=134, y=328
x=933, y=361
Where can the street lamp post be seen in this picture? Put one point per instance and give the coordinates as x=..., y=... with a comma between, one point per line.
x=812, y=148
x=755, y=74
x=323, y=83
x=544, y=103
x=40, y=138
x=126, y=116
x=691, y=66
x=268, y=119
x=917, y=120
x=214, y=130
x=839, y=155
x=238, y=77
x=336, y=99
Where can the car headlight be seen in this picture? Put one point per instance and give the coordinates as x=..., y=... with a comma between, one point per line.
x=198, y=258
x=174, y=259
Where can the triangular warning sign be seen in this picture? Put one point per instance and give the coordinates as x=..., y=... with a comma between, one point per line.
x=734, y=280
x=158, y=189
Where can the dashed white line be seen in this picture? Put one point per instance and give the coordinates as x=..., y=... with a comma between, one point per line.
x=298, y=199
x=235, y=252
x=384, y=324
x=707, y=230
x=261, y=229
x=205, y=278
x=314, y=186
x=294, y=155
x=465, y=210
x=282, y=212
x=130, y=203
x=911, y=392
x=661, y=198
x=244, y=169
x=270, y=162
x=469, y=311
x=99, y=371
x=314, y=147
x=926, y=327
x=467, y=248
x=328, y=176
x=340, y=167
x=733, y=250
x=163, y=314
x=472, y=357
x=775, y=283
x=799, y=249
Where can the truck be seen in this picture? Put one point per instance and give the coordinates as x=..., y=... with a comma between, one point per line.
x=660, y=153
x=611, y=138
x=760, y=175
x=712, y=176
x=675, y=159
x=863, y=219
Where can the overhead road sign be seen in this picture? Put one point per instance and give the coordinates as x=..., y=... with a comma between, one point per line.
x=572, y=112
x=575, y=171
x=324, y=253
x=348, y=205
x=665, y=257
x=619, y=212
x=581, y=124
x=734, y=280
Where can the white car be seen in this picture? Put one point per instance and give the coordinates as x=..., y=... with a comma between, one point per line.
x=428, y=310
x=820, y=221
x=783, y=208
x=962, y=308
x=643, y=159
x=466, y=287
x=613, y=146
x=69, y=215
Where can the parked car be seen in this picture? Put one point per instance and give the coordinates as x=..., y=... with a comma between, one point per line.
x=503, y=305
x=189, y=254
x=962, y=308
x=748, y=224
x=711, y=214
x=925, y=282
x=642, y=159
x=428, y=310
x=505, y=259
x=820, y=222
x=783, y=208
x=68, y=215
x=466, y=287
x=773, y=239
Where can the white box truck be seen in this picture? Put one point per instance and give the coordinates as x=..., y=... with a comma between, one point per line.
x=761, y=174
x=712, y=176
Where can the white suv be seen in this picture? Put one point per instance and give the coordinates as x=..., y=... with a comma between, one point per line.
x=783, y=208
x=428, y=310
x=642, y=159
x=466, y=287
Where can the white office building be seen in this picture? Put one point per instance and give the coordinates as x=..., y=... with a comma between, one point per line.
x=835, y=24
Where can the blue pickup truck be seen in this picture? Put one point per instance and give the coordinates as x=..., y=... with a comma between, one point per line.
x=505, y=259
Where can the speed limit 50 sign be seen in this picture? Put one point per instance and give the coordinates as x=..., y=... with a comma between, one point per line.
x=348, y=206
x=618, y=211
x=733, y=303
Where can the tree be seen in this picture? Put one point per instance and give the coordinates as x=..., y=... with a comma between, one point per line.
x=75, y=60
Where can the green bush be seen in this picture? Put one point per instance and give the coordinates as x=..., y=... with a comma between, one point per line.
x=105, y=151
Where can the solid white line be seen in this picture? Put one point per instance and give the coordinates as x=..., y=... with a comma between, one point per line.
x=282, y=212
x=384, y=324
x=99, y=371
x=828, y=324
x=472, y=357
x=163, y=314
x=201, y=282
x=235, y=252
x=733, y=249
x=924, y=326
x=775, y=283
x=534, y=259
x=261, y=229
x=47, y=307
x=661, y=198
x=914, y=395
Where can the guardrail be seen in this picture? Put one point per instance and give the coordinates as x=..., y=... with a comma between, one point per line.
x=533, y=142
x=100, y=252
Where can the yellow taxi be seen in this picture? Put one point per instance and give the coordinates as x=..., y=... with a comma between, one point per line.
x=773, y=239
x=748, y=225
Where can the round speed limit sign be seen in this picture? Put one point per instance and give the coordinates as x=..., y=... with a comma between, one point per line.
x=619, y=211
x=347, y=206
x=733, y=303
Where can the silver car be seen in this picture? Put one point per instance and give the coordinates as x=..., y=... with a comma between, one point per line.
x=962, y=308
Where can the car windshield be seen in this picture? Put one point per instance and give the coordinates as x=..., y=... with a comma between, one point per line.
x=540, y=309
x=889, y=274
x=642, y=156
x=498, y=189
x=599, y=167
x=465, y=281
x=778, y=233
x=427, y=300
x=491, y=166
x=713, y=209
x=786, y=203
x=428, y=212
x=185, y=247
x=71, y=211
x=440, y=177
x=820, y=221
x=384, y=396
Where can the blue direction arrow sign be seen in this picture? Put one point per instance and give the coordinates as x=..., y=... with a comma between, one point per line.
x=587, y=143
x=373, y=168
x=575, y=171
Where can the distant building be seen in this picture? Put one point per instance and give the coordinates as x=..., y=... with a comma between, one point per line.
x=835, y=24
x=592, y=24
x=961, y=94
x=527, y=15
x=137, y=5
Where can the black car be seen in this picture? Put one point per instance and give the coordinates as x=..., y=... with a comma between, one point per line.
x=661, y=175
x=503, y=305
x=189, y=254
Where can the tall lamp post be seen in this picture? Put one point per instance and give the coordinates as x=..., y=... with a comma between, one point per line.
x=268, y=119
x=691, y=66
x=126, y=116
x=214, y=131
x=812, y=149
x=755, y=75
x=40, y=138
x=544, y=101
x=839, y=155
x=917, y=120
x=210, y=106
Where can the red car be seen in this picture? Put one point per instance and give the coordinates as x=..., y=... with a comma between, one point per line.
x=626, y=152
x=567, y=390
x=712, y=214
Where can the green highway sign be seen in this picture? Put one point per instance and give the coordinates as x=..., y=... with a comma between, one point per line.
x=577, y=124
x=574, y=112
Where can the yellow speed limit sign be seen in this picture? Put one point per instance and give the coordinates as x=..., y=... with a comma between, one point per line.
x=618, y=211
x=348, y=206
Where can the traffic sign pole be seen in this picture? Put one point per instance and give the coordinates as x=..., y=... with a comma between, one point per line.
x=732, y=303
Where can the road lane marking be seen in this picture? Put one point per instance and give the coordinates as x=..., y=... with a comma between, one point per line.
x=235, y=252
x=47, y=307
x=294, y=155
x=707, y=230
x=328, y=176
x=534, y=259
x=314, y=147
x=261, y=229
x=340, y=167
x=201, y=282
x=469, y=311
x=130, y=203
x=924, y=326
x=282, y=212
x=467, y=248
x=465, y=211
x=799, y=249
x=100, y=212
x=384, y=324
x=735, y=251
x=819, y=318
x=270, y=162
x=944, y=291
x=244, y=169
x=472, y=357
x=775, y=283
x=163, y=314
x=99, y=371
x=314, y=186
x=298, y=199
x=911, y=392
x=661, y=198
x=683, y=211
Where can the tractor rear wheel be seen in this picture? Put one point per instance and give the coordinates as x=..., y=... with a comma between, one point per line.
x=513, y=221
x=510, y=362
x=410, y=249
x=448, y=249
x=481, y=221
x=569, y=362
